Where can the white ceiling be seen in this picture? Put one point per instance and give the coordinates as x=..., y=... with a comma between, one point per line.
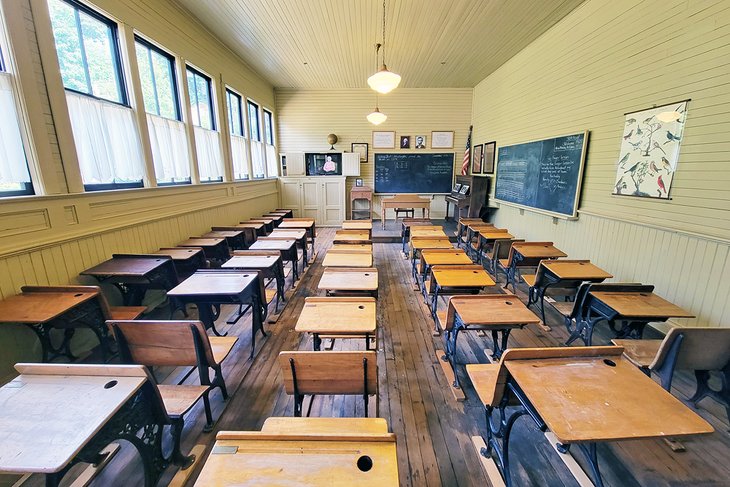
x=430, y=43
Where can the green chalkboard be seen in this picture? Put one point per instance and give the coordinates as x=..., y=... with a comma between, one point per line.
x=544, y=174
x=422, y=172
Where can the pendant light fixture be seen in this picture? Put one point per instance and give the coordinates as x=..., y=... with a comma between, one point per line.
x=376, y=117
x=383, y=81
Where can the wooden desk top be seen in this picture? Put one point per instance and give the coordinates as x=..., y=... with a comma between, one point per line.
x=202, y=242
x=445, y=256
x=349, y=237
x=476, y=226
x=493, y=309
x=289, y=223
x=337, y=315
x=349, y=279
x=223, y=234
x=494, y=235
x=410, y=224
x=357, y=225
x=121, y=265
x=641, y=305
x=40, y=307
x=352, y=233
x=405, y=200
x=538, y=251
x=213, y=283
x=294, y=233
x=343, y=258
x=302, y=459
x=256, y=225
x=180, y=253
x=274, y=216
x=325, y=426
x=575, y=270
x=51, y=411
x=584, y=399
x=251, y=261
x=427, y=231
x=461, y=276
x=353, y=247
x=418, y=243
x=264, y=244
x=266, y=221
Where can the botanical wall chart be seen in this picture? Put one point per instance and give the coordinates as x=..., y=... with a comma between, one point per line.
x=650, y=151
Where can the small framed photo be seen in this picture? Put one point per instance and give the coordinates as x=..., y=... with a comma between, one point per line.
x=405, y=141
x=362, y=149
x=488, y=157
x=420, y=141
x=464, y=189
x=442, y=140
x=456, y=188
x=358, y=182
x=476, y=159
x=383, y=140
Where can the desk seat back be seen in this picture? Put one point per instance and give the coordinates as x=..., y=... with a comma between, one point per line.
x=330, y=372
x=613, y=287
x=706, y=348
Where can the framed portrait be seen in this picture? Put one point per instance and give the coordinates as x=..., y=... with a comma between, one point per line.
x=420, y=141
x=464, y=189
x=490, y=148
x=442, y=140
x=405, y=141
x=383, y=140
x=362, y=149
x=476, y=159
x=456, y=188
x=358, y=182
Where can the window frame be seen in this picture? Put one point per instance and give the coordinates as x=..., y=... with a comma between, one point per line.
x=229, y=93
x=270, y=117
x=116, y=53
x=250, y=103
x=209, y=79
x=173, y=65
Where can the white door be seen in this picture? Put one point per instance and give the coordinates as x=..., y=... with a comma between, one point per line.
x=310, y=199
x=333, y=201
x=291, y=195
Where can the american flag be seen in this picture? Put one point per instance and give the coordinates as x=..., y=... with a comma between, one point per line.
x=467, y=154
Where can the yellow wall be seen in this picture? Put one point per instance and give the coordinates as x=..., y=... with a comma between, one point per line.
x=604, y=59
x=307, y=116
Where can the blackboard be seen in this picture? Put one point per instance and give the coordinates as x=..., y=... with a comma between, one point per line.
x=545, y=174
x=414, y=172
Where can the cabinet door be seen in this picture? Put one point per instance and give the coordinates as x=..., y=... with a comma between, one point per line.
x=333, y=201
x=311, y=199
x=291, y=195
x=295, y=164
x=350, y=164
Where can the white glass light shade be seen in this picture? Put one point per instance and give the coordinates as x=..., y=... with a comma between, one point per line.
x=384, y=81
x=377, y=117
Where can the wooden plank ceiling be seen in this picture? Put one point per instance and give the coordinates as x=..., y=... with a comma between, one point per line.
x=319, y=44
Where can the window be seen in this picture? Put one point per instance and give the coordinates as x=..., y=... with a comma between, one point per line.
x=268, y=128
x=157, y=74
x=253, y=121
x=201, y=99
x=258, y=154
x=14, y=175
x=239, y=152
x=272, y=164
x=88, y=51
x=235, y=117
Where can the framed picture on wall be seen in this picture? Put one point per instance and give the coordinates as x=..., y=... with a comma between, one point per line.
x=405, y=141
x=420, y=141
x=442, y=140
x=490, y=148
x=476, y=159
x=362, y=149
x=358, y=182
x=383, y=140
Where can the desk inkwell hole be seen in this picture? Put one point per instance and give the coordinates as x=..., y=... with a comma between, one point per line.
x=364, y=463
x=643, y=294
x=361, y=307
x=78, y=295
x=367, y=274
x=110, y=384
x=245, y=275
x=508, y=303
x=609, y=362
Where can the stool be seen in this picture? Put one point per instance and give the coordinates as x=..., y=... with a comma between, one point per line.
x=408, y=212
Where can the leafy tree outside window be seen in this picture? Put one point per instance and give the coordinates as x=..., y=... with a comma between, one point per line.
x=157, y=75
x=201, y=99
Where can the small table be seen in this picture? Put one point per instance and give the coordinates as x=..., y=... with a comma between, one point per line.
x=305, y=223
x=270, y=265
x=341, y=317
x=405, y=201
x=349, y=281
x=304, y=451
x=288, y=249
x=235, y=239
x=431, y=257
x=449, y=280
x=297, y=234
x=345, y=258
x=134, y=274
x=209, y=287
x=529, y=254
x=186, y=259
x=420, y=243
x=215, y=249
x=406, y=226
x=497, y=313
x=57, y=415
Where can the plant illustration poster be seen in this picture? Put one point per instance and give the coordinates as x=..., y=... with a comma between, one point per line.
x=650, y=151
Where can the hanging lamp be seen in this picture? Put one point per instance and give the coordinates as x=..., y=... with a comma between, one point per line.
x=383, y=81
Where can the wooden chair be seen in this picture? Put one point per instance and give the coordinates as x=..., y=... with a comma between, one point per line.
x=268, y=275
x=540, y=285
x=503, y=257
x=525, y=263
x=702, y=350
x=409, y=212
x=499, y=250
x=177, y=343
x=351, y=373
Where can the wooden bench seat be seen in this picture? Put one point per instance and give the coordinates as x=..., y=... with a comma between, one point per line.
x=179, y=399
x=221, y=347
x=640, y=352
x=484, y=377
x=530, y=279
x=126, y=312
x=441, y=316
x=563, y=307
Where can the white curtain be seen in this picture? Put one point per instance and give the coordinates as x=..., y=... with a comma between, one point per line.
x=13, y=166
x=210, y=162
x=240, y=157
x=272, y=164
x=169, y=149
x=107, y=142
x=258, y=159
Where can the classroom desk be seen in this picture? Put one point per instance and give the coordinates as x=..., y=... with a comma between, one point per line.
x=304, y=452
x=185, y=259
x=405, y=231
x=134, y=274
x=431, y=257
x=67, y=310
x=563, y=274
x=345, y=258
x=527, y=255
x=258, y=227
x=583, y=400
x=353, y=248
x=411, y=201
x=462, y=226
x=270, y=265
x=473, y=230
x=56, y=415
x=635, y=309
x=449, y=280
x=288, y=249
x=277, y=217
x=288, y=212
x=249, y=232
x=341, y=317
x=236, y=239
x=486, y=238
x=348, y=280
x=268, y=223
x=419, y=243
x=358, y=225
x=305, y=223
x=215, y=249
x=209, y=287
x=496, y=313
x=352, y=236
x=297, y=234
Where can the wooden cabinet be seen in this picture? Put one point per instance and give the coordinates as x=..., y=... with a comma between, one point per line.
x=361, y=203
x=321, y=198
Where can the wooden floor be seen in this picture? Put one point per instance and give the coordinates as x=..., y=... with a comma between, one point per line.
x=433, y=430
